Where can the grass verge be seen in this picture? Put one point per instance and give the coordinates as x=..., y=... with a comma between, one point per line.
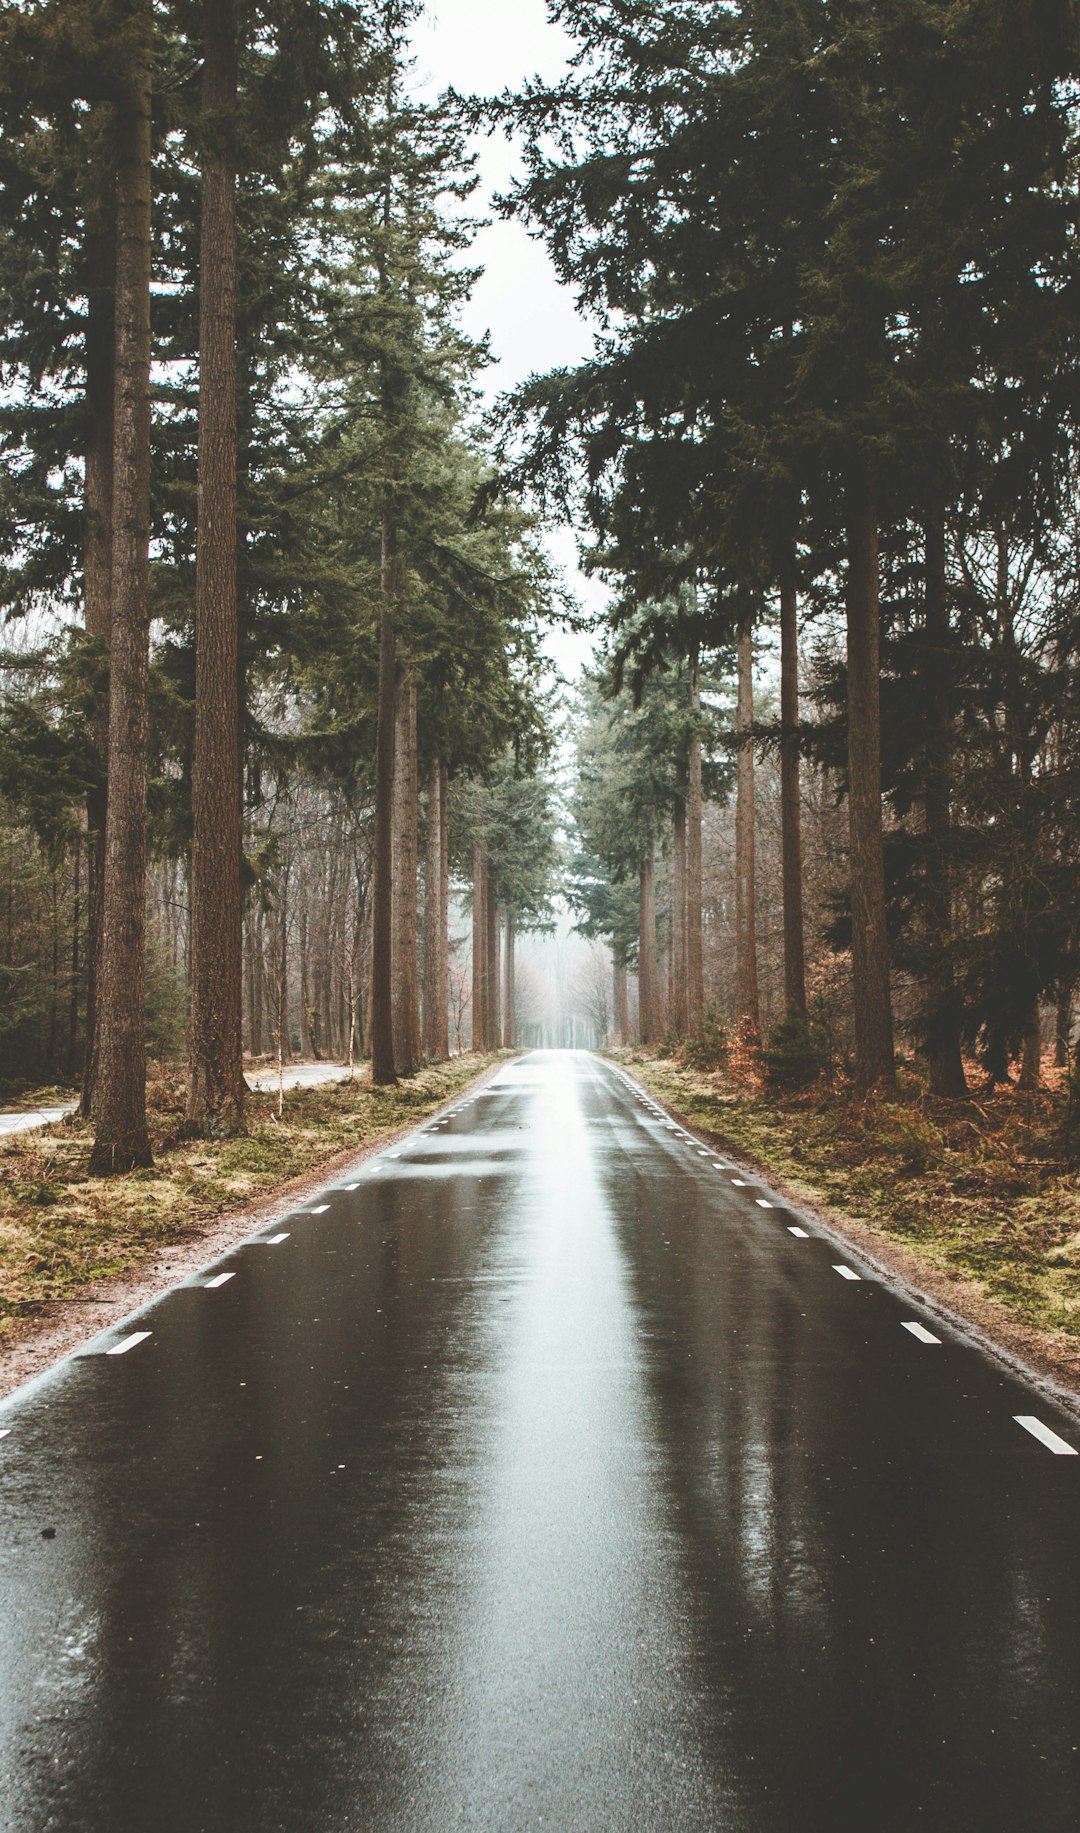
x=984, y=1192
x=61, y=1230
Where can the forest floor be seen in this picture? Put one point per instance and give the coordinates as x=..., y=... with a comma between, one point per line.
x=28, y=1100
x=70, y=1244
x=975, y=1204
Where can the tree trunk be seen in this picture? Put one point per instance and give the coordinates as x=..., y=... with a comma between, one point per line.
x=509, y=1020
x=647, y=946
x=620, y=1000
x=73, y=994
x=947, y=1075
x=790, y=793
x=284, y=1037
x=215, y=1051
x=677, y=1000
x=1063, y=1023
x=382, y=874
x=308, y=1047
x=433, y=915
x=1031, y=1059
x=442, y=988
x=479, y=947
x=491, y=998
x=406, y=862
x=251, y=986
x=121, y=1140
x=695, y=967
x=746, y=964
x=97, y=575
x=874, y=1059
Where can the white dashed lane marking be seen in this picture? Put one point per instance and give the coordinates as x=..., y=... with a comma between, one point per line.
x=319, y=1210
x=275, y=1240
x=350, y=1186
x=126, y=1343
x=220, y=1279
x=5, y=1431
x=1044, y=1435
x=1052, y=1441
x=920, y=1331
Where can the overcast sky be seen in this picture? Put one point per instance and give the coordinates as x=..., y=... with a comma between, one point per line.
x=482, y=47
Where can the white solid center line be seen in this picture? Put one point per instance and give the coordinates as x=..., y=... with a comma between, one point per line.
x=919, y=1330
x=219, y=1279
x=319, y=1210
x=800, y=1232
x=846, y=1272
x=763, y=1203
x=1044, y=1435
x=121, y=1348
x=273, y=1240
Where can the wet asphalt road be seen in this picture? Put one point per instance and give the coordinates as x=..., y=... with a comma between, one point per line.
x=27, y=1120
x=536, y=1475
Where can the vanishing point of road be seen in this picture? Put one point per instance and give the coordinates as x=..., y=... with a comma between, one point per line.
x=545, y=1471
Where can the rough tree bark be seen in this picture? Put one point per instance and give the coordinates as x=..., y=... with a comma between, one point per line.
x=406, y=863
x=479, y=947
x=97, y=552
x=121, y=1139
x=677, y=1000
x=790, y=792
x=647, y=946
x=382, y=875
x=746, y=962
x=947, y=1075
x=874, y=1058
x=215, y=1049
x=695, y=963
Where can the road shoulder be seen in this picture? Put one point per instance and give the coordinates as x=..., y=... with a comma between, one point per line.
x=155, y=1258
x=1047, y=1356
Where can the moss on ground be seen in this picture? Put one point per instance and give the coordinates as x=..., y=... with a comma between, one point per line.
x=61, y=1230
x=985, y=1190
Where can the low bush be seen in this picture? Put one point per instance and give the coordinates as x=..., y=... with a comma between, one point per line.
x=711, y=1047
x=798, y=1052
